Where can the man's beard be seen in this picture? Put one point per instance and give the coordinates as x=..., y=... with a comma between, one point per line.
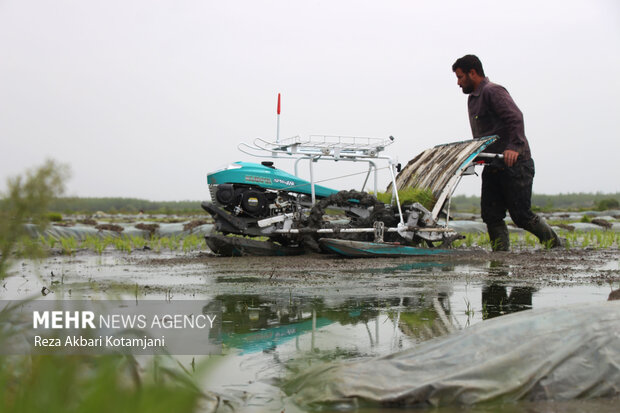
x=467, y=89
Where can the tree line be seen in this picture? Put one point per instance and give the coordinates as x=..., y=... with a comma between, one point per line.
x=541, y=202
x=71, y=205
x=462, y=203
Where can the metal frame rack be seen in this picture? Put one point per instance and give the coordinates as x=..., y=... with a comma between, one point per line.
x=331, y=148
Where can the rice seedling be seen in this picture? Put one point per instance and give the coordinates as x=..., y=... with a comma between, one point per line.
x=99, y=246
x=484, y=240
x=173, y=243
x=585, y=240
x=599, y=239
x=495, y=244
x=469, y=240
x=155, y=244
x=88, y=242
x=192, y=242
x=94, y=243
x=548, y=244
x=68, y=245
x=515, y=239
x=608, y=239
x=469, y=310
x=49, y=242
x=571, y=237
x=108, y=240
x=164, y=242
x=123, y=244
x=138, y=242
x=530, y=240
x=410, y=196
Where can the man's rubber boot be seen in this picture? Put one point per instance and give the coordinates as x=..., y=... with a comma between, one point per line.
x=545, y=234
x=500, y=241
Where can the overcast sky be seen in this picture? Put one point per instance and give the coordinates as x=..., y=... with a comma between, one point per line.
x=143, y=98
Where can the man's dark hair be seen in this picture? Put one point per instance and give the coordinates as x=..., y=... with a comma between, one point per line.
x=468, y=62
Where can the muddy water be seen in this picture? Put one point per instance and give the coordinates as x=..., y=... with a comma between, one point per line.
x=281, y=314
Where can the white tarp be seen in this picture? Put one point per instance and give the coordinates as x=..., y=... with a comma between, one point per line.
x=80, y=231
x=555, y=353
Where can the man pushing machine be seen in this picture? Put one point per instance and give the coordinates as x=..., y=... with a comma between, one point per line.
x=506, y=186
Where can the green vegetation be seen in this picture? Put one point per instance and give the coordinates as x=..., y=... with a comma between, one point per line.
x=54, y=217
x=26, y=201
x=89, y=206
x=598, y=239
x=70, y=245
x=410, y=196
x=81, y=384
x=608, y=203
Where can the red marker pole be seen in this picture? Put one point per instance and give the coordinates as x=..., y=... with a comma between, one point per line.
x=278, y=127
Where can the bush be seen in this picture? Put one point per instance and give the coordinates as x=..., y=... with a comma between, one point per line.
x=27, y=200
x=54, y=217
x=609, y=203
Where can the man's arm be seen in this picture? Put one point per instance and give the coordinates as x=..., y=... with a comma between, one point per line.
x=507, y=111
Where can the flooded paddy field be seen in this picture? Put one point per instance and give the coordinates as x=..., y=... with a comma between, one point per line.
x=280, y=314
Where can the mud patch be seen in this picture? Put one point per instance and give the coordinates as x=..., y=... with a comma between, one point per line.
x=109, y=227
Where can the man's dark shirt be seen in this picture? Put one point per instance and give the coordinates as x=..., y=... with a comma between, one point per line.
x=493, y=112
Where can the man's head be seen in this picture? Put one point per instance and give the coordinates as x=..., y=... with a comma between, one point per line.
x=469, y=72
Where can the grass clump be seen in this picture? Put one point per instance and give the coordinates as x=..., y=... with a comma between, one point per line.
x=409, y=196
x=54, y=217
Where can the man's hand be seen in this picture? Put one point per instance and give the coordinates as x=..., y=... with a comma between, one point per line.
x=510, y=157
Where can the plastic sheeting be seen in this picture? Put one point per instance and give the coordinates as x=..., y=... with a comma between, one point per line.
x=80, y=231
x=549, y=354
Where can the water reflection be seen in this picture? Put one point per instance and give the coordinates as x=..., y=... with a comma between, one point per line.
x=424, y=266
x=283, y=326
x=496, y=300
x=430, y=306
x=499, y=299
x=254, y=323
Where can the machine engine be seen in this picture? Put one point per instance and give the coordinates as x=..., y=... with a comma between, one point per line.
x=253, y=201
